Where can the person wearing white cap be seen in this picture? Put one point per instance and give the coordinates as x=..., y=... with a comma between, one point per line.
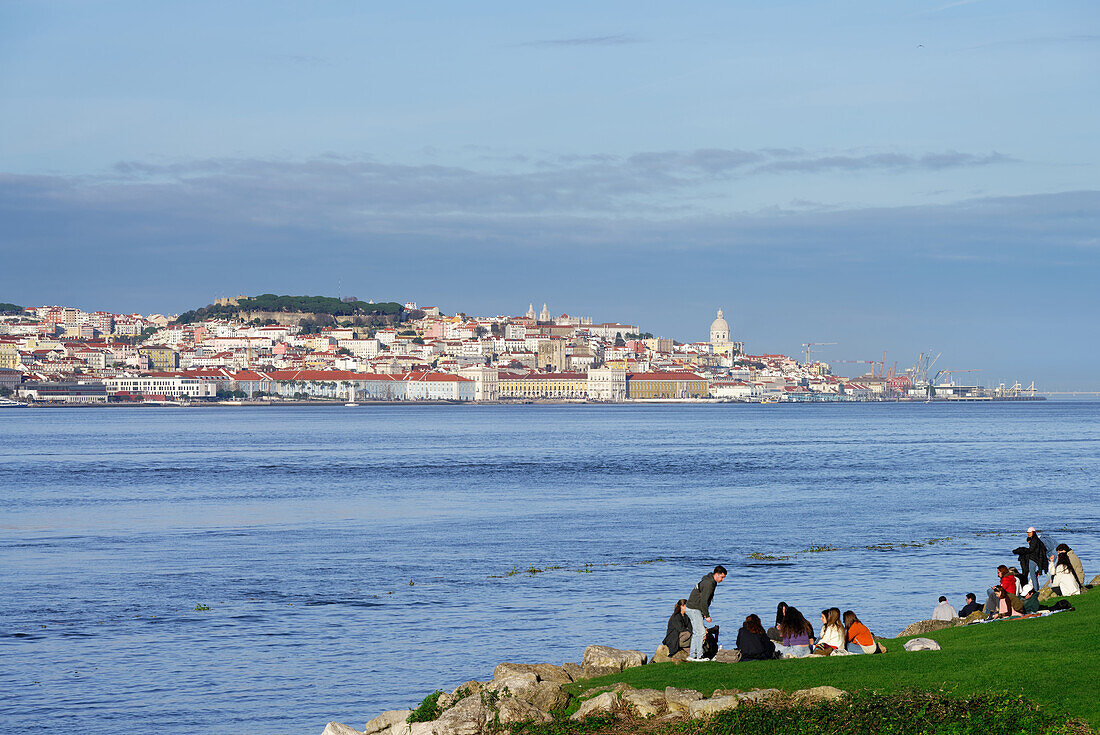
x=1036, y=557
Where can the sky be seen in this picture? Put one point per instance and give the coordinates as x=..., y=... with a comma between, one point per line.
x=900, y=177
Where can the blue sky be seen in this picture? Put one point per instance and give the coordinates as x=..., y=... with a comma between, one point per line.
x=889, y=176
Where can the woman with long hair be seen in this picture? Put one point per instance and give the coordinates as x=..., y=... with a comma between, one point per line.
x=753, y=643
x=798, y=634
x=859, y=637
x=1063, y=576
x=833, y=635
x=678, y=632
x=780, y=611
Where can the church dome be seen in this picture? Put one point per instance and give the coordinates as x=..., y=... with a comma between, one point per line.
x=719, y=330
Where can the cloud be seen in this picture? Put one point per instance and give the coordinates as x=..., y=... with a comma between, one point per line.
x=618, y=39
x=335, y=189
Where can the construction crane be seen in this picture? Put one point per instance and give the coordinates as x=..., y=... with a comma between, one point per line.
x=919, y=372
x=948, y=372
x=807, y=348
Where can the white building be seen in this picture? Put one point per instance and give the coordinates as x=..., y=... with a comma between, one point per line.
x=607, y=384
x=162, y=385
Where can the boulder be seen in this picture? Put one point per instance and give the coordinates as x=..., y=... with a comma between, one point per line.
x=516, y=685
x=925, y=626
x=506, y=670
x=591, y=672
x=550, y=672
x=512, y=710
x=414, y=728
x=339, y=728
x=386, y=720
x=644, y=702
x=728, y=656
x=612, y=658
x=725, y=692
x=922, y=644
x=1094, y=581
x=601, y=703
x=1045, y=593
x=759, y=695
x=469, y=717
x=660, y=656
x=712, y=706
x=574, y=671
x=972, y=617
x=819, y=694
x=547, y=696
x=678, y=700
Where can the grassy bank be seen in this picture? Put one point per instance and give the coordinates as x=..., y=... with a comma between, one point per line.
x=1050, y=661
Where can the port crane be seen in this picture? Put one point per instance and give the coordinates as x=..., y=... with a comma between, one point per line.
x=949, y=372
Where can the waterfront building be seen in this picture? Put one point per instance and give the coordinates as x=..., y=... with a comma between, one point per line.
x=64, y=392
x=555, y=386
x=666, y=385
x=170, y=386
x=607, y=384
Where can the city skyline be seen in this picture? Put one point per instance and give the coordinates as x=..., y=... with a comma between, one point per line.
x=920, y=176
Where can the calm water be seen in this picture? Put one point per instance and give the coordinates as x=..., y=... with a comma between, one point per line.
x=356, y=559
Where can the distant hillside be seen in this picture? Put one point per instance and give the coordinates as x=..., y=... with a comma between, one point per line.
x=9, y=309
x=310, y=307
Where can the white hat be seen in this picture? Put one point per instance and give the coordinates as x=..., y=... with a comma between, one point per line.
x=1031, y=529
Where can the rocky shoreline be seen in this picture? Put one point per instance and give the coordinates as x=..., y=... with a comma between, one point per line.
x=531, y=692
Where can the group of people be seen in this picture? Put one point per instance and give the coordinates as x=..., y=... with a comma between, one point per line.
x=792, y=636
x=1017, y=590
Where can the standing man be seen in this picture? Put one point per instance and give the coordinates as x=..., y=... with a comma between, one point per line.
x=698, y=610
x=1036, y=557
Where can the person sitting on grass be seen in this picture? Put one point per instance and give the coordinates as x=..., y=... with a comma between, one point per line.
x=1062, y=578
x=833, y=635
x=1007, y=583
x=753, y=643
x=1074, y=562
x=971, y=605
x=678, y=632
x=1008, y=604
x=773, y=632
x=944, y=611
x=859, y=637
x=798, y=634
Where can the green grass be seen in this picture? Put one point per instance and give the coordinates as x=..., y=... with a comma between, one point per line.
x=1050, y=661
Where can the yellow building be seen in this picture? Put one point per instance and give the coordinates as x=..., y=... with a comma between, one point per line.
x=665, y=385
x=161, y=359
x=9, y=355
x=543, y=385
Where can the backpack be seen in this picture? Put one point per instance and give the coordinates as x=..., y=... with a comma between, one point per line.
x=710, y=642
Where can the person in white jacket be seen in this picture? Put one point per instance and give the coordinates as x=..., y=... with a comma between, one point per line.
x=944, y=611
x=1063, y=577
x=832, y=629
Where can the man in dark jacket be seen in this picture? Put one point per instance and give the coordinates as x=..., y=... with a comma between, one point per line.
x=1036, y=557
x=698, y=610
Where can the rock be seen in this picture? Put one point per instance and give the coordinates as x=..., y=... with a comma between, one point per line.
x=550, y=672
x=644, y=702
x=515, y=685
x=925, y=626
x=725, y=692
x=386, y=720
x=678, y=700
x=1094, y=581
x=728, y=656
x=339, y=728
x=514, y=710
x=506, y=670
x=759, y=695
x=468, y=717
x=574, y=671
x=819, y=694
x=591, y=672
x=547, y=696
x=660, y=656
x=613, y=658
x=712, y=706
x=606, y=702
x=972, y=618
x=922, y=644
x=414, y=728
x=1045, y=593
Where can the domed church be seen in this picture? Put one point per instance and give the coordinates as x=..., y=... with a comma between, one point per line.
x=720, y=338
